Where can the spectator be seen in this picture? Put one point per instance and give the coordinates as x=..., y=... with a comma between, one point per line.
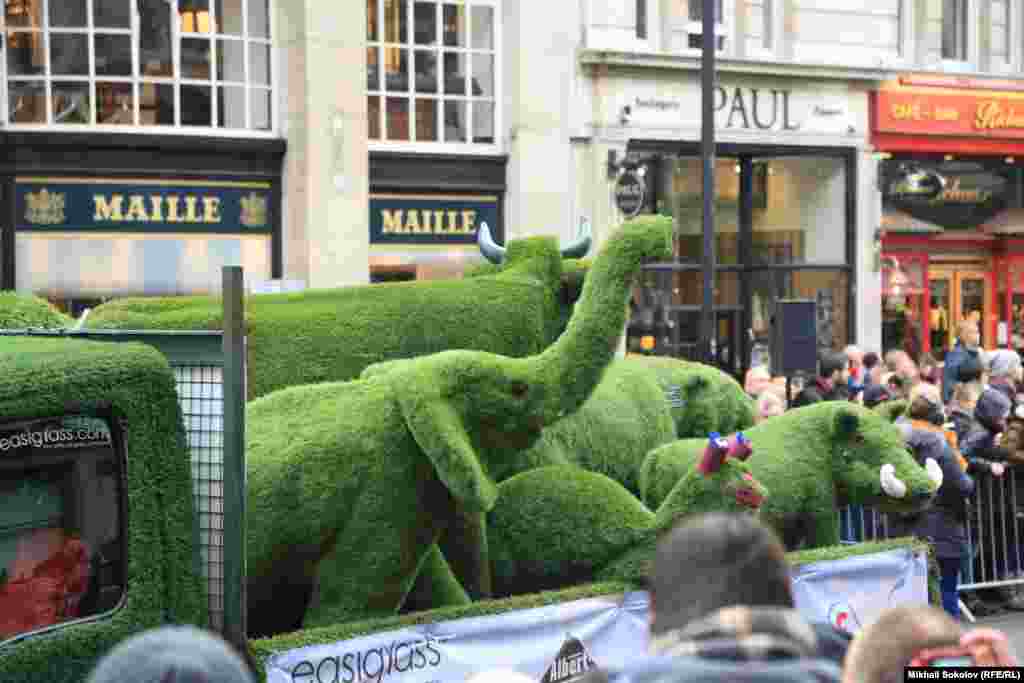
x=829, y=385
x=875, y=394
x=758, y=378
x=881, y=651
x=872, y=368
x=961, y=413
x=971, y=370
x=895, y=385
x=929, y=370
x=966, y=347
x=769, y=404
x=855, y=361
x=1004, y=373
x=182, y=654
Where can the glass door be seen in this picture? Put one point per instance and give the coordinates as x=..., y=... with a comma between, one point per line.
x=958, y=295
x=974, y=292
x=941, y=325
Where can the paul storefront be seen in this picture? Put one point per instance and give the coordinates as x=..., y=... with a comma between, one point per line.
x=787, y=179
x=951, y=238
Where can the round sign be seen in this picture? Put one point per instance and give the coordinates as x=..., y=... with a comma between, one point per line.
x=629, y=193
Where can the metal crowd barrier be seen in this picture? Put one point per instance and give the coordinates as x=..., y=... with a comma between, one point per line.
x=995, y=521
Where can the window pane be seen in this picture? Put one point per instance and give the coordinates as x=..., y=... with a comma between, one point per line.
x=229, y=17
x=395, y=21
x=372, y=68
x=115, y=103
x=24, y=13
x=680, y=193
x=69, y=54
x=455, y=73
x=113, y=55
x=954, y=29
x=196, y=105
x=27, y=101
x=194, y=16
x=195, y=58
x=454, y=21
x=61, y=549
x=71, y=102
x=398, y=118
x=372, y=23
x=455, y=121
x=397, y=74
x=482, y=29
x=697, y=10
x=260, y=100
x=111, y=13
x=68, y=14
x=425, y=23
x=426, y=120
x=426, y=71
x=259, y=62
x=231, y=60
x=259, y=18
x=156, y=104
x=155, y=38
x=483, y=122
x=483, y=75
x=25, y=54
x=373, y=116
x=231, y=107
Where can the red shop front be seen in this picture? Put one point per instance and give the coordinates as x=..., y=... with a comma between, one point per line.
x=952, y=228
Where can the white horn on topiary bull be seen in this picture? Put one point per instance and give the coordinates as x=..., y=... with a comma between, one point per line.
x=934, y=471
x=891, y=484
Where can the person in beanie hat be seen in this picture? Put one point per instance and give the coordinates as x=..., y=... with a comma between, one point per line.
x=1004, y=372
x=182, y=654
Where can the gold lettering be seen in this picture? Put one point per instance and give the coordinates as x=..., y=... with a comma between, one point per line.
x=453, y=221
x=211, y=210
x=412, y=222
x=137, y=209
x=392, y=221
x=172, y=210
x=108, y=210
x=438, y=221
x=156, y=204
x=191, y=215
x=468, y=221
x=993, y=116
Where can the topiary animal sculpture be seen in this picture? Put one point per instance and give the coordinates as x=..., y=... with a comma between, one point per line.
x=892, y=410
x=813, y=460
x=557, y=526
x=351, y=484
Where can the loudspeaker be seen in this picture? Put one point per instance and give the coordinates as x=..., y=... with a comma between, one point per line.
x=795, y=338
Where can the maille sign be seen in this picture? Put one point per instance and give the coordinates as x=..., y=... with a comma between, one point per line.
x=987, y=114
x=143, y=205
x=629, y=193
x=953, y=194
x=431, y=219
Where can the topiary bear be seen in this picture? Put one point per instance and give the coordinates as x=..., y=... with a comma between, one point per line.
x=813, y=460
x=557, y=526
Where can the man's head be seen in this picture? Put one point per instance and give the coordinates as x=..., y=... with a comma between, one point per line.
x=879, y=653
x=965, y=395
x=1004, y=365
x=757, y=379
x=971, y=370
x=969, y=334
x=854, y=355
x=833, y=366
x=714, y=561
x=992, y=410
x=895, y=359
x=926, y=403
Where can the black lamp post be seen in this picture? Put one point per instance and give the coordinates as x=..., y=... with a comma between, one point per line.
x=707, y=150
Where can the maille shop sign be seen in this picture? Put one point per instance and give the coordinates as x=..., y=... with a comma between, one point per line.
x=143, y=205
x=977, y=114
x=629, y=193
x=430, y=219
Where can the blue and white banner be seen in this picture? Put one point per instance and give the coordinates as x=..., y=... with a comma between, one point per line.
x=558, y=643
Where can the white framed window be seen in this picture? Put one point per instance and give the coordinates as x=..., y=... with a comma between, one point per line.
x=433, y=75
x=762, y=28
x=1000, y=34
x=695, y=25
x=185, y=66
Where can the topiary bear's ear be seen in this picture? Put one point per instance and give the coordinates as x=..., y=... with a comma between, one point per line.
x=847, y=425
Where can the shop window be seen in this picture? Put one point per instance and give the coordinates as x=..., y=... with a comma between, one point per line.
x=432, y=71
x=61, y=525
x=181, y=63
x=761, y=32
x=904, y=306
x=1000, y=33
x=944, y=30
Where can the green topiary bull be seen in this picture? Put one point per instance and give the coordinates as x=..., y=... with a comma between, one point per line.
x=351, y=484
x=813, y=460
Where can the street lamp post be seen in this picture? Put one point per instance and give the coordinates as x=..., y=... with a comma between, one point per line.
x=707, y=150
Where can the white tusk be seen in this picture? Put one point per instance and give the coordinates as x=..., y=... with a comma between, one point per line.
x=893, y=487
x=934, y=471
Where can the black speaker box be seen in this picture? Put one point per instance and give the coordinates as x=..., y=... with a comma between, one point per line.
x=795, y=338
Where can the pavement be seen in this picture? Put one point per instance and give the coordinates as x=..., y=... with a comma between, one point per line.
x=1010, y=623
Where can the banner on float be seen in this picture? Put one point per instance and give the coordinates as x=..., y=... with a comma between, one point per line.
x=559, y=643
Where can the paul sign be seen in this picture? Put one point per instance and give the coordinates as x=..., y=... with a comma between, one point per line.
x=629, y=193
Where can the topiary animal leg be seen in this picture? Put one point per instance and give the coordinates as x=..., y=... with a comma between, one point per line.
x=464, y=543
x=824, y=530
x=435, y=586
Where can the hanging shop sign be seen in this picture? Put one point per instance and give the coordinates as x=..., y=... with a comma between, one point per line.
x=952, y=194
x=630, y=193
x=974, y=113
x=175, y=206
x=431, y=219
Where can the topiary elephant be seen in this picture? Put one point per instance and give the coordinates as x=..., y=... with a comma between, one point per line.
x=814, y=460
x=351, y=484
x=558, y=526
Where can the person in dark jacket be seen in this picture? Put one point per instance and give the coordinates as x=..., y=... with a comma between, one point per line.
x=1004, y=373
x=875, y=394
x=872, y=368
x=966, y=347
x=961, y=408
x=830, y=384
x=944, y=523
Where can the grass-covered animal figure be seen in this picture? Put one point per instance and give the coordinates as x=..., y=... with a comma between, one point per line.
x=557, y=526
x=813, y=460
x=351, y=484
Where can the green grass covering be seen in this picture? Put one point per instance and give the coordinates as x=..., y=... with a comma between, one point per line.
x=22, y=311
x=892, y=410
x=43, y=377
x=812, y=459
x=350, y=484
x=331, y=335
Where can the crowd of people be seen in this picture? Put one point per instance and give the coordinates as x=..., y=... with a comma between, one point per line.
x=957, y=413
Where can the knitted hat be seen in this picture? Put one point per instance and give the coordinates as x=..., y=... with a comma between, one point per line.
x=1003, y=363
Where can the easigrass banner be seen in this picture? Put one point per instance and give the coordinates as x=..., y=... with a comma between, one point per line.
x=559, y=643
